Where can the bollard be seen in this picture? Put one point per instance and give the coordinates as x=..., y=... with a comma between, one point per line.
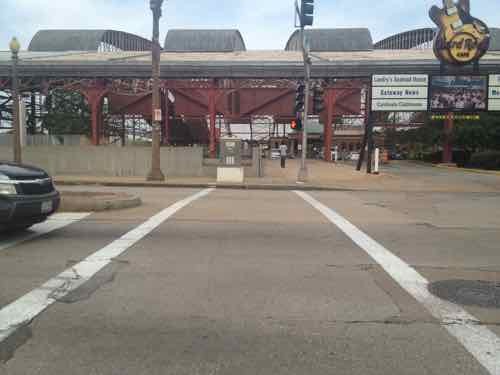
x=377, y=161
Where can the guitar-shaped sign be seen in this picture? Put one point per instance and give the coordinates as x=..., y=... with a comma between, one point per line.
x=461, y=38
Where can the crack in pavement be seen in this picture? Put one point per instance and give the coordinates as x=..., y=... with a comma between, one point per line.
x=446, y=268
x=397, y=321
x=16, y=336
x=360, y=267
x=71, y=289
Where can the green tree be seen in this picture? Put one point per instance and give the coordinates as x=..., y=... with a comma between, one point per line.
x=416, y=141
x=67, y=113
x=481, y=135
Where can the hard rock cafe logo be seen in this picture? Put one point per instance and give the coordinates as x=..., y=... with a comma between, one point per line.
x=461, y=38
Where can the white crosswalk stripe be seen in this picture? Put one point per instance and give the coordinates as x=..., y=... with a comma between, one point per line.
x=54, y=222
x=26, y=308
x=480, y=341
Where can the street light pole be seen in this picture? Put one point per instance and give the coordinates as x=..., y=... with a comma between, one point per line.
x=14, y=48
x=156, y=174
x=303, y=173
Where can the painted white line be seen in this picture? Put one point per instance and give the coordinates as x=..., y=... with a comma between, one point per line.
x=54, y=222
x=481, y=342
x=35, y=302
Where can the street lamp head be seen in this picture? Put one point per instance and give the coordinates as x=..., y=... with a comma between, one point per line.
x=14, y=45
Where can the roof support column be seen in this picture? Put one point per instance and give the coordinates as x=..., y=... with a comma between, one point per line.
x=213, y=118
x=447, y=139
x=166, y=118
x=94, y=96
x=96, y=121
x=328, y=131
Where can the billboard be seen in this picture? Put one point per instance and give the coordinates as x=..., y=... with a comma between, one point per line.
x=458, y=93
x=400, y=92
x=494, y=93
x=461, y=39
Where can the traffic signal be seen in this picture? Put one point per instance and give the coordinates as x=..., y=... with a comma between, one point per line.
x=306, y=12
x=296, y=124
x=318, y=100
x=155, y=5
x=300, y=98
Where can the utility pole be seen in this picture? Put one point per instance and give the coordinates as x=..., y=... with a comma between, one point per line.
x=305, y=14
x=156, y=174
x=303, y=173
x=16, y=125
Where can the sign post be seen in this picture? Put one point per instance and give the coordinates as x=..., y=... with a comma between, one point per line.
x=377, y=161
x=393, y=93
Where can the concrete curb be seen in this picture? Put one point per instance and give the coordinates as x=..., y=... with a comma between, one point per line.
x=275, y=187
x=96, y=204
x=468, y=170
x=243, y=186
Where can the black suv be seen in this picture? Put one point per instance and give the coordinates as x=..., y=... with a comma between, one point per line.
x=27, y=196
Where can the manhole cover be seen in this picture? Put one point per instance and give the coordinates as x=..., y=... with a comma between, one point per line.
x=468, y=292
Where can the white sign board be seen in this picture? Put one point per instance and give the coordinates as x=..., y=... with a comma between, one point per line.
x=399, y=105
x=400, y=93
x=157, y=115
x=494, y=94
x=400, y=80
x=495, y=80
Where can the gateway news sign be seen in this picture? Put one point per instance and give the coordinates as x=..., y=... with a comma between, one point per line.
x=494, y=93
x=400, y=93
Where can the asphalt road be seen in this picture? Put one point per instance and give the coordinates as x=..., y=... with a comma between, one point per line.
x=253, y=282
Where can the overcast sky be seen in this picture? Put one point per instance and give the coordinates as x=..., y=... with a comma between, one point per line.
x=265, y=24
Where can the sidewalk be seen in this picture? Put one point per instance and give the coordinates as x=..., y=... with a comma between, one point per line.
x=468, y=170
x=322, y=176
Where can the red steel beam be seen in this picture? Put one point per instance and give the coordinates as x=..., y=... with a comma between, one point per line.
x=328, y=133
x=213, y=117
x=94, y=95
x=269, y=102
x=447, y=141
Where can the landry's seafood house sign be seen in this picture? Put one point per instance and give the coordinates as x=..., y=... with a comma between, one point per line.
x=400, y=80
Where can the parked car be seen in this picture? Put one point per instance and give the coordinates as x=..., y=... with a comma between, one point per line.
x=396, y=156
x=27, y=196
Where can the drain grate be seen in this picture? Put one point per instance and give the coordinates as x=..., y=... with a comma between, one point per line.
x=468, y=292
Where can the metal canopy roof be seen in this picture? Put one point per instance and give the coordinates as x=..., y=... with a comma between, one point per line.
x=204, y=41
x=407, y=39
x=249, y=64
x=495, y=39
x=86, y=40
x=333, y=40
x=415, y=38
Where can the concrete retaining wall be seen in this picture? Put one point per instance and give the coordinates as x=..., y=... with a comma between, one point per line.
x=46, y=140
x=111, y=161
